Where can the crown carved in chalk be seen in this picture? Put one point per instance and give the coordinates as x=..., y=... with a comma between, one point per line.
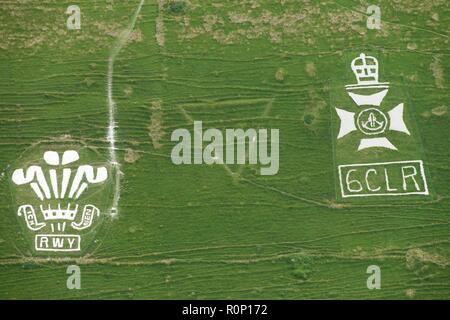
x=365, y=69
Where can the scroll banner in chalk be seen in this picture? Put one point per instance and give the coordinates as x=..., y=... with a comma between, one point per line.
x=89, y=212
x=27, y=211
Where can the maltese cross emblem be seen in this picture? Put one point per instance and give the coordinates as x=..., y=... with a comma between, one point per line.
x=372, y=122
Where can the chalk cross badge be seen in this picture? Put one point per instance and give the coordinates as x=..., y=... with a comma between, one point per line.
x=372, y=126
x=370, y=120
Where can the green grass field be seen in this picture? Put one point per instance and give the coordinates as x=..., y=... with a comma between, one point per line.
x=225, y=231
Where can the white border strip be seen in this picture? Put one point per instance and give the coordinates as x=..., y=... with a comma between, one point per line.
x=368, y=86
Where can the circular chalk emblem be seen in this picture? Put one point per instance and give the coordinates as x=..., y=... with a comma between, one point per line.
x=372, y=121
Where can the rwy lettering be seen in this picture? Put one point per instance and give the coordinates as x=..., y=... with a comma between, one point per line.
x=255, y=142
x=387, y=178
x=62, y=242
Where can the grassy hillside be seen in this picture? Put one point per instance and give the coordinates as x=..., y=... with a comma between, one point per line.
x=225, y=231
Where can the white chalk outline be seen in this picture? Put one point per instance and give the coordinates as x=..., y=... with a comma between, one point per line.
x=111, y=135
x=422, y=171
x=57, y=235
